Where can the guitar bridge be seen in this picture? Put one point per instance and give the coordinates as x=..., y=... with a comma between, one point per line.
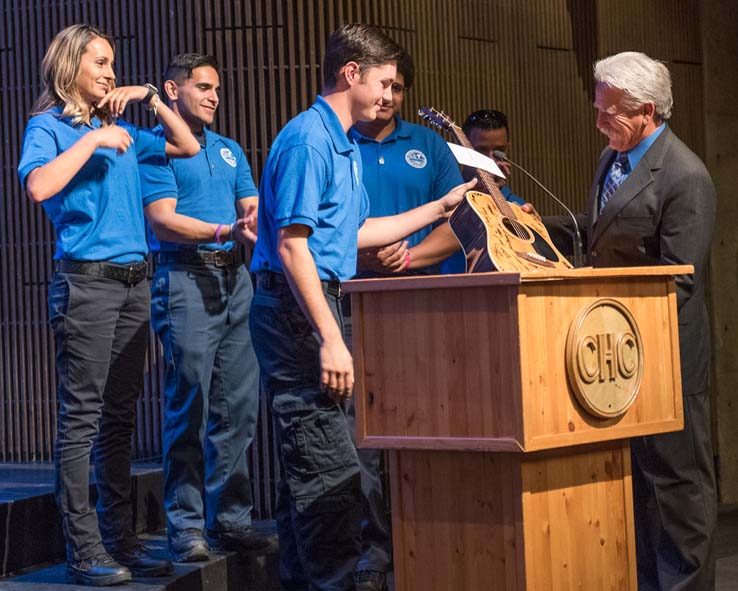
x=536, y=258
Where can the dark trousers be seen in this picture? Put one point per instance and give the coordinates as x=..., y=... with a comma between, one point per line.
x=318, y=509
x=101, y=330
x=675, y=504
x=376, y=526
x=201, y=314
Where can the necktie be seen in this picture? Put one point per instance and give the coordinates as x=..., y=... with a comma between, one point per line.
x=618, y=173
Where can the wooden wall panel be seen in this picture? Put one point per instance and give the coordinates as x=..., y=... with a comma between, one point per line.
x=529, y=58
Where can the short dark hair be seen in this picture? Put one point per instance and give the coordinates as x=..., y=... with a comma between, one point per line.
x=366, y=45
x=180, y=67
x=485, y=119
x=406, y=67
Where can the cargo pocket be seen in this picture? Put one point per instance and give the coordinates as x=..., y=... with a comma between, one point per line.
x=320, y=462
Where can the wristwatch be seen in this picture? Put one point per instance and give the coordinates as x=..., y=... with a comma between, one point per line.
x=153, y=90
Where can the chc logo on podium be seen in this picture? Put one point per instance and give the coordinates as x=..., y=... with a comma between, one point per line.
x=604, y=358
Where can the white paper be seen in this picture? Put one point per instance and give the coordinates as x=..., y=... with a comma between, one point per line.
x=469, y=157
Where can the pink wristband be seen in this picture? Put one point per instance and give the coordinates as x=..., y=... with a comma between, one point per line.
x=217, y=234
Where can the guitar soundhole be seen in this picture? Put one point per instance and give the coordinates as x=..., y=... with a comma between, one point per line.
x=517, y=229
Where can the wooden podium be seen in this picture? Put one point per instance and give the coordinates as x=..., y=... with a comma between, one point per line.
x=507, y=401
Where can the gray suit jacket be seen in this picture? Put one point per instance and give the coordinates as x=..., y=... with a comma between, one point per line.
x=663, y=214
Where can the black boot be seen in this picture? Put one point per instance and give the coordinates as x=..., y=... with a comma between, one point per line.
x=99, y=571
x=143, y=564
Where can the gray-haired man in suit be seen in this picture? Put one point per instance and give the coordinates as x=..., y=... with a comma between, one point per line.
x=653, y=203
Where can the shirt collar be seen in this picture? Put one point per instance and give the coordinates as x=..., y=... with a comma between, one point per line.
x=341, y=142
x=212, y=138
x=57, y=111
x=637, y=152
x=401, y=130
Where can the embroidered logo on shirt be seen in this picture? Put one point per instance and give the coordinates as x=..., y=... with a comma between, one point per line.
x=416, y=159
x=228, y=156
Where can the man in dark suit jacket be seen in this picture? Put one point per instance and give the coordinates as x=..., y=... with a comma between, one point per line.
x=653, y=203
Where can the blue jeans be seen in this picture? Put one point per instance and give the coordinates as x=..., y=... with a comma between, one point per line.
x=201, y=314
x=101, y=331
x=319, y=508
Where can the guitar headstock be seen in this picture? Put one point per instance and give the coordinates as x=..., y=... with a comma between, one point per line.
x=437, y=118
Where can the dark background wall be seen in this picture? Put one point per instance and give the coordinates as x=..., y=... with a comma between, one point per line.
x=529, y=58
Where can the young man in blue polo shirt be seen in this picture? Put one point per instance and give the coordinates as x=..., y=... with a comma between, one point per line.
x=405, y=165
x=312, y=219
x=201, y=296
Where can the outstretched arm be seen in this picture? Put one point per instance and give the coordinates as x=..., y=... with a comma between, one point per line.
x=386, y=230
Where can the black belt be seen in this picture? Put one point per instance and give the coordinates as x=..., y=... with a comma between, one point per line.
x=219, y=258
x=129, y=274
x=270, y=279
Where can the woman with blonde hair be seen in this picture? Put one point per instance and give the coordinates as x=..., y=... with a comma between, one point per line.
x=80, y=162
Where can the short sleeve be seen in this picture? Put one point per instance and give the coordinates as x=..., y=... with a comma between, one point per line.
x=39, y=148
x=365, y=204
x=299, y=180
x=157, y=182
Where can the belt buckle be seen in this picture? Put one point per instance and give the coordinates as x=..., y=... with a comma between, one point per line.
x=134, y=274
x=221, y=258
x=130, y=275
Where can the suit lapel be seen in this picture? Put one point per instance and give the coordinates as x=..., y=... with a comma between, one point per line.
x=637, y=181
x=603, y=166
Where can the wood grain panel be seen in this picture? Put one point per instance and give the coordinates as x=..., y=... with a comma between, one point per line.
x=477, y=545
x=551, y=413
x=551, y=521
x=484, y=367
x=578, y=519
x=419, y=341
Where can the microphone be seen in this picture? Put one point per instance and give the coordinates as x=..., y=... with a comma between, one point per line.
x=578, y=247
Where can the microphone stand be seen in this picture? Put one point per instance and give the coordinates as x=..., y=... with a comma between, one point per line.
x=578, y=246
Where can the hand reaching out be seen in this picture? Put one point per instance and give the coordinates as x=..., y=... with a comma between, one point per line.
x=451, y=199
x=389, y=259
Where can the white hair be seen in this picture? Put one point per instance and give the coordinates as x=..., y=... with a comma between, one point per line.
x=641, y=78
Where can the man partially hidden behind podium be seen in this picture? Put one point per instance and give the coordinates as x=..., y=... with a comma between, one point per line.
x=653, y=203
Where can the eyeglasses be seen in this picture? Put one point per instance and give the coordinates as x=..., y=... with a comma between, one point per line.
x=398, y=88
x=619, y=110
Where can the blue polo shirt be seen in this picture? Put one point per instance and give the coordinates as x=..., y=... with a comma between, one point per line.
x=313, y=177
x=410, y=167
x=206, y=186
x=98, y=215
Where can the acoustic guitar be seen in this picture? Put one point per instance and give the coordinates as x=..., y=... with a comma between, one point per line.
x=496, y=235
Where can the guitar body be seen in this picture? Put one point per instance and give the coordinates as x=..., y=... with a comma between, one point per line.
x=495, y=242
x=496, y=235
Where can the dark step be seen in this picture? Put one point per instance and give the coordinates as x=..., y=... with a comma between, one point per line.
x=30, y=531
x=225, y=571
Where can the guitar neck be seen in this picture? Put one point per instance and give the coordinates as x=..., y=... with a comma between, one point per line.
x=487, y=181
